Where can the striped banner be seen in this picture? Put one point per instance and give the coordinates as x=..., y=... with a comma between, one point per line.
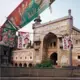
x=27, y=11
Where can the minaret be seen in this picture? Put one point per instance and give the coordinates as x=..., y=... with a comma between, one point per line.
x=69, y=12
x=70, y=21
x=37, y=22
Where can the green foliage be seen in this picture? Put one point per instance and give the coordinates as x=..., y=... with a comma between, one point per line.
x=45, y=64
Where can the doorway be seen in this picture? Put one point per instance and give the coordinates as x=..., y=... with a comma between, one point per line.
x=49, y=44
x=53, y=58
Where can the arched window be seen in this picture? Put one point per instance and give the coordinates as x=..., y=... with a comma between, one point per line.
x=25, y=65
x=30, y=57
x=20, y=65
x=11, y=62
x=30, y=64
x=20, y=57
x=16, y=57
x=25, y=57
x=16, y=65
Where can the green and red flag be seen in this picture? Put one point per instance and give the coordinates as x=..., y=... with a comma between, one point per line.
x=27, y=11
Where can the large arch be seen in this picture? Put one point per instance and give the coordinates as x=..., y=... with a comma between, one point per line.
x=49, y=42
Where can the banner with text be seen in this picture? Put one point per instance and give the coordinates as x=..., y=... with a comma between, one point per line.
x=27, y=11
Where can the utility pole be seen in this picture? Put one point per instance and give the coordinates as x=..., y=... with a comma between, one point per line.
x=70, y=30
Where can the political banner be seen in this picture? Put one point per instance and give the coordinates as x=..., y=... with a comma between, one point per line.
x=67, y=43
x=16, y=15
x=23, y=39
x=27, y=11
x=8, y=25
x=8, y=34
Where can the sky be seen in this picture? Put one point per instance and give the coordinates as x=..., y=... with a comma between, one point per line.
x=59, y=9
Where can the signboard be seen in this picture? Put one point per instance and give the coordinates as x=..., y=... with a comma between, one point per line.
x=67, y=43
x=23, y=39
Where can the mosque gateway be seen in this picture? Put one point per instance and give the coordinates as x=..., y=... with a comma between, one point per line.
x=48, y=42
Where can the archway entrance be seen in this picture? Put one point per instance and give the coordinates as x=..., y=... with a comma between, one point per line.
x=53, y=58
x=49, y=45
